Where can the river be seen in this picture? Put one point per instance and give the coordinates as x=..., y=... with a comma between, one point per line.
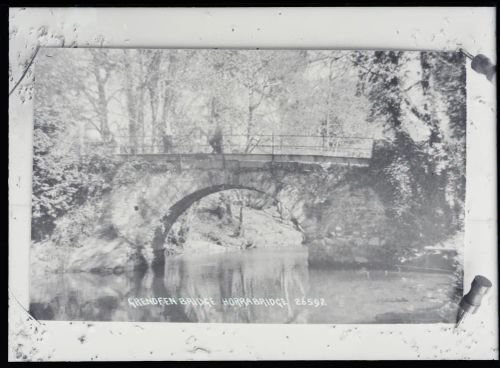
x=254, y=286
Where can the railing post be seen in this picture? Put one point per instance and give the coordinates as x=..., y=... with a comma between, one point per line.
x=337, y=145
x=272, y=148
x=223, y=152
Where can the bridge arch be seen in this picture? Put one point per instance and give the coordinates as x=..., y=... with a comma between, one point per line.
x=137, y=208
x=182, y=205
x=320, y=201
x=178, y=208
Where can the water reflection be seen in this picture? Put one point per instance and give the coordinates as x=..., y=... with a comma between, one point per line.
x=349, y=296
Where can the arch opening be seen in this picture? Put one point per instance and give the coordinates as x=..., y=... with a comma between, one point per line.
x=178, y=209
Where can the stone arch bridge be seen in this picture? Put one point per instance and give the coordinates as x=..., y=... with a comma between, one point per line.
x=341, y=216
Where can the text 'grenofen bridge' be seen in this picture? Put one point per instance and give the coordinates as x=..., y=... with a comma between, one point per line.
x=256, y=150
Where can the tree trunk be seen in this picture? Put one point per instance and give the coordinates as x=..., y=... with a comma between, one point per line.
x=165, y=120
x=432, y=124
x=216, y=140
x=102, y=104
x=131, y=104
x=140, y=121
x=154, y=98
x=251, y=109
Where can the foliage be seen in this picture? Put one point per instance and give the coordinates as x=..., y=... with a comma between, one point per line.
x=62, y=179
x=77, y=223
x=421, y=176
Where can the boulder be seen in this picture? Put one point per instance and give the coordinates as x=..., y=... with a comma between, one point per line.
x=105, y=257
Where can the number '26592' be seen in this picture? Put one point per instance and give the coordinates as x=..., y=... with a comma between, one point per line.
x=315, y=302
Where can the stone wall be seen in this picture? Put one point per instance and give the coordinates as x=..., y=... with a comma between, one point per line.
x=350, y=227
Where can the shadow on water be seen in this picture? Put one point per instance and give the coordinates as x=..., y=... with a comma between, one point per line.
x=170, y=313
x=348, y=296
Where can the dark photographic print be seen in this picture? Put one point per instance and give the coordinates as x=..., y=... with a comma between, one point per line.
x=248, y=186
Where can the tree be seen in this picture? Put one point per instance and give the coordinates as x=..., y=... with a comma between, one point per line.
x=415, y=167
x=63, y=178
x=102, y=67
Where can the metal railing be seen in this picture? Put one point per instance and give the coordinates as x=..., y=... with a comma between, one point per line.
x=263, y=144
